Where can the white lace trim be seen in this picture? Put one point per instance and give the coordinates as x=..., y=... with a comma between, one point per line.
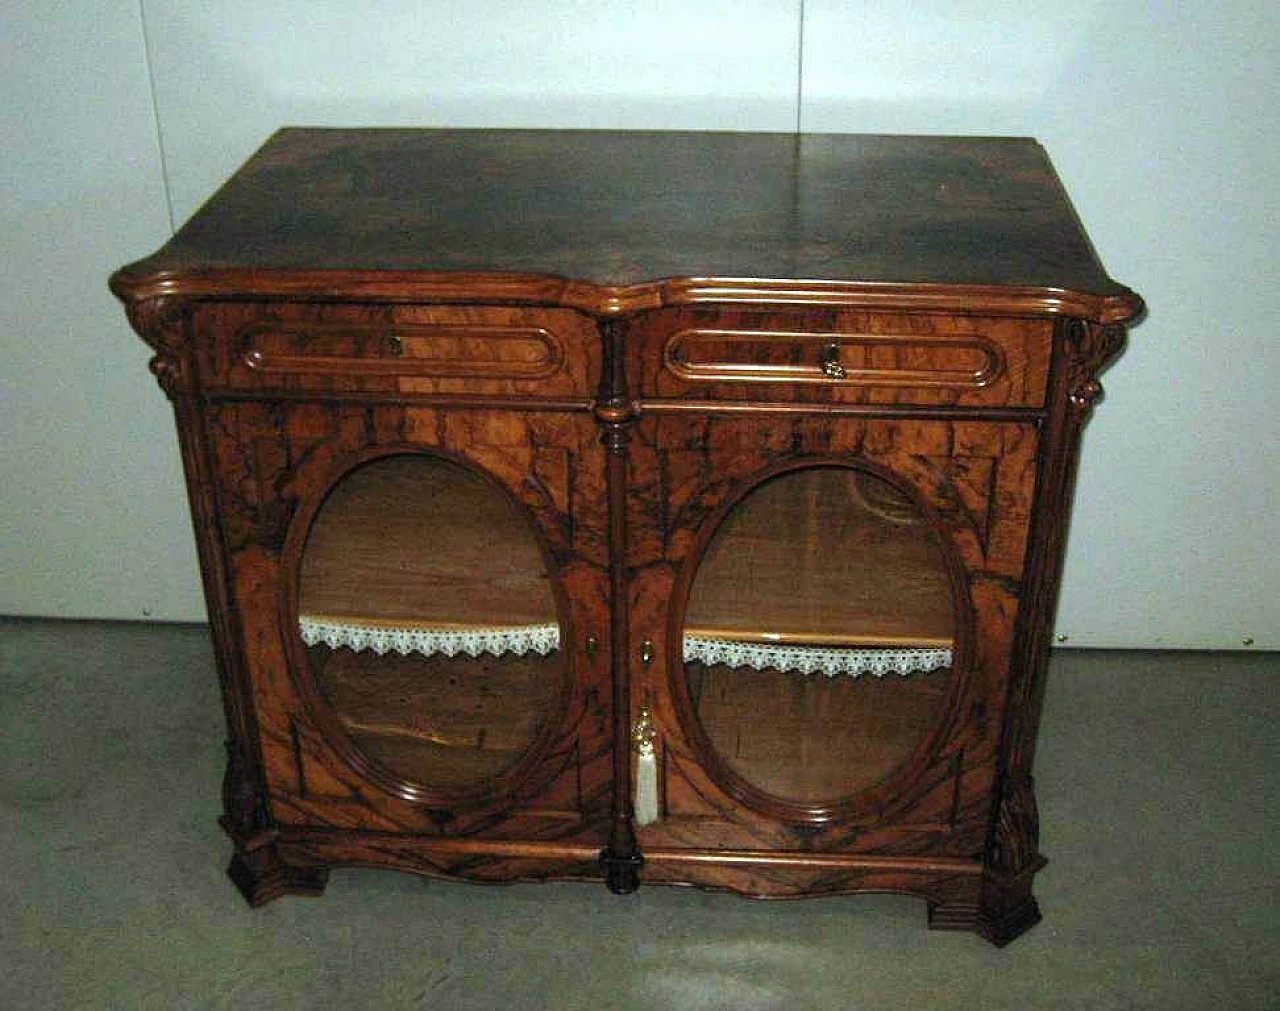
x=816, y=659
x=521, y=639
x=545, y=639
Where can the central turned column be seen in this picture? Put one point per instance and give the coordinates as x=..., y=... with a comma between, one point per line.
x=621, y=859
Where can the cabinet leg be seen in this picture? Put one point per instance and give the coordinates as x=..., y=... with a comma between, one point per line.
x=621, y=872
x=256, y=867
x=257, y=870
x=1001, y=927
x=1003, y=910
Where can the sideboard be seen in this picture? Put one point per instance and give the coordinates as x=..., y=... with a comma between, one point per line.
x=678, y=508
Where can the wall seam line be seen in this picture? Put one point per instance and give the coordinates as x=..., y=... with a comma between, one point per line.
x=800, y=68
x=155, y=115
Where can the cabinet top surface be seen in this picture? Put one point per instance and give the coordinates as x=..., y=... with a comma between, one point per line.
x=613, y=211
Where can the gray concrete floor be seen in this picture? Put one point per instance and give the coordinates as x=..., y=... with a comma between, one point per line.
x=1156, y=774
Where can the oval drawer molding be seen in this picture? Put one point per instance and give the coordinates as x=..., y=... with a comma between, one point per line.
x=776, y=356
x=455, y=351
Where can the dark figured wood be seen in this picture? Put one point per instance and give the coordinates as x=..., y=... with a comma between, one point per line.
x=623, y=336
x=411, y=350
x=1082, y=352
x=971, y=483
x=722, y=357
x=439, y=352
x=616, y=214
x=256, y=866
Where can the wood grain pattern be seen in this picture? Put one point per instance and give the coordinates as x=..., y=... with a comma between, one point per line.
x=620, y=335
x=718, y=356
x=974, y=481
x=440, y=351
x=449, y=723
x=307, y=449
x=804, y=559
x=412, y=350
x=837, y=358
x=1082, y=352
x=614, y=211
x=415, y=540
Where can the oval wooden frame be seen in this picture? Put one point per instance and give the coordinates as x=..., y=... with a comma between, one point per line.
x=497, y=792
x=869, y=804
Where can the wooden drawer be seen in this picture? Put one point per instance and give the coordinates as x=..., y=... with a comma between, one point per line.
x=842, y=357
x=407, y=349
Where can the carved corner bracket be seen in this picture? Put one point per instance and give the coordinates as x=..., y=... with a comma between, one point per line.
x=243, y=801
x=1015, y=846
x=162, y=323
x=1094, y=346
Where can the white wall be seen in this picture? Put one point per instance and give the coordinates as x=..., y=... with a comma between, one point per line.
x=1156, y=116
x=229, y=73
x=92, y=515
x=1160, y=118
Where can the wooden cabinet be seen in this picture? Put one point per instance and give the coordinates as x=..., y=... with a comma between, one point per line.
x=680, y=508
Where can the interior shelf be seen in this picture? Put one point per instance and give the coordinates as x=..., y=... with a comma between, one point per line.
x=824, y=557
x=827, y=571
x=450, y=721
x=418, y=541
x=382, y=638
x=814, y=739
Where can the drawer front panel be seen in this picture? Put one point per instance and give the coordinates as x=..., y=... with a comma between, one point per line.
x=406, y=349
x=438, y=352
x=843, y=357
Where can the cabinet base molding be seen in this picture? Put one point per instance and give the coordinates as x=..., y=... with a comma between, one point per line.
x=1003, y=910
x=814, y=861
x=999, y=926
x=262, y=875
x=961, y=894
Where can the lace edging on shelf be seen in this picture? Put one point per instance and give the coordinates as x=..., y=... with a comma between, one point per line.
x=853, y=662
x=519, y=639
x=545, y=639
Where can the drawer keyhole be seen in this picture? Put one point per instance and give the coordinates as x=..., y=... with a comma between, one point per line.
x=397, y=345
x=831, y=362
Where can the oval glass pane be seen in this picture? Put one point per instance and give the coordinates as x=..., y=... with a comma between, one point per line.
x=818, y=634
x=430, y=621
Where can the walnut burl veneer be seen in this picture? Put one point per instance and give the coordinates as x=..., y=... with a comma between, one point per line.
x=676, y=507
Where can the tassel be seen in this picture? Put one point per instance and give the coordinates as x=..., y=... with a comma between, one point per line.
x=645, y=797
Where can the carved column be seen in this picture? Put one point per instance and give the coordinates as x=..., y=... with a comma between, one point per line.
x=165, y=324
x=620, y=860
x=1007, y=908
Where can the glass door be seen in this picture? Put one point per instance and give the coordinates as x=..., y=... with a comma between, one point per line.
x=432, y=628
x=818, y=635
